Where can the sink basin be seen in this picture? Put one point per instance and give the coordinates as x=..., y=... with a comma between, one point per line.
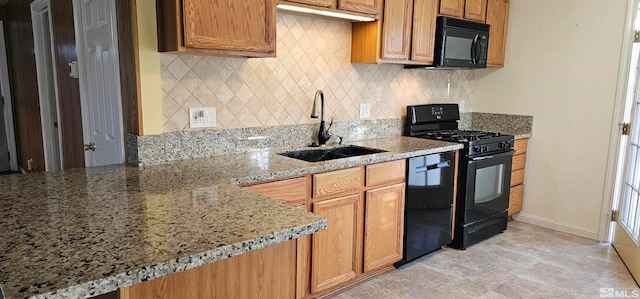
x=317, y=155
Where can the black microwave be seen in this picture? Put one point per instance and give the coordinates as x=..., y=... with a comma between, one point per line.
x=459, y=44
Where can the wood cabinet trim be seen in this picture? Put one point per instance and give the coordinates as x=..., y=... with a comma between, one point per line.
x=362, y=6
x=518, y=162
x=294, y=190
x=517, y=177
x=520, y=146
x=385, y=173
x=344, y=181
x=516, y=196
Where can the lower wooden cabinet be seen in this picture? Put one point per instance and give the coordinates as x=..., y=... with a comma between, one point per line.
x=517, y=176
x=384, y=221
x=265, y=273
x=364, y=208
x=335, y=251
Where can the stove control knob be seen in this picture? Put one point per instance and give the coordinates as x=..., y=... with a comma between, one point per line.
x=503, y=144
x=485, y=148
x=477, y=149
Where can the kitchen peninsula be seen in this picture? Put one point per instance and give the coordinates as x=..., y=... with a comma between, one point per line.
x=85, y=232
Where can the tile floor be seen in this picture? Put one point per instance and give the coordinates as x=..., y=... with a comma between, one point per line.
x=526, y=261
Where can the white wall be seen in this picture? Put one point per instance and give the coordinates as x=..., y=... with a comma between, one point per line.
x=562, y=68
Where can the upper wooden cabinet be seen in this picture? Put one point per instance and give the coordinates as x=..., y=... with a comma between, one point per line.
x=498, y=18
x=367, y=8
x=405, y=35
x=322, y=3
x=454, y=8
x=223, y=27
x=363, y=6
x=475, y=10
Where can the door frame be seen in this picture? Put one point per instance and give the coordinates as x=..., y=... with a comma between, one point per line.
x=617, y=151
x=52, y=161
x=5, y=89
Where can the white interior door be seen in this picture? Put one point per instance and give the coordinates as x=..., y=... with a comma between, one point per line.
x=626, y=237
x=96, y=36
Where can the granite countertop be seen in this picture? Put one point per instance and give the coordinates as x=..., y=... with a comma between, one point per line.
x=85, y=232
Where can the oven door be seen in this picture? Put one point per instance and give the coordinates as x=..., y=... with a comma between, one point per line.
x=488, y=183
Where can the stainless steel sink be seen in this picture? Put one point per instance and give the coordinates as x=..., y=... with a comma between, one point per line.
x=317, y=155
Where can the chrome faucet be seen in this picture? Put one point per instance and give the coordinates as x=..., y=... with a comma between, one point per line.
x=323, y=133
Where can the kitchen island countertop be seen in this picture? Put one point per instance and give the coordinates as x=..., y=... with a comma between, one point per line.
x=85, y=232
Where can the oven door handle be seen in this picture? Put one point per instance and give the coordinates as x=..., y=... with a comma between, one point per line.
x=443, y=164
x=509, y=153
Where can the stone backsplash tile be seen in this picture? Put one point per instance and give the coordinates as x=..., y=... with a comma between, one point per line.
x=312, y=54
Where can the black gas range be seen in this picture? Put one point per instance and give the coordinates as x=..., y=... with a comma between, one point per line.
x=484, y=171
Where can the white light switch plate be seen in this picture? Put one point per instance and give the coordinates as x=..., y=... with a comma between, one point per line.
x=202, y=117
x=365, y=110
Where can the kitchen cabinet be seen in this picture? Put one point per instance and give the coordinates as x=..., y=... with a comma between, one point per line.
x=222, y=27
x=264, y=273
x=335, y=252
x=367, y=8
x=361, y=237
x=296, y=192
x=517, y=176
x=384, y=220
x=405, y=35
x=498, y=18
x=364, y=208
x=453, y=8
x=474, y=10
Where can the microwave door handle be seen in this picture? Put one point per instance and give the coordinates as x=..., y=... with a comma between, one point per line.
x=474, y=51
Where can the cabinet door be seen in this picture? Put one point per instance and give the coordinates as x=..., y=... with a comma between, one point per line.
x=383, y=227
x=475, y=10
x=233, y=25
x=362, y=6
x=515, y=199
x=335, y=251
x=322, y=3
x=498, y=18
x=424, y=29
x=396, y=29
x=454, y=8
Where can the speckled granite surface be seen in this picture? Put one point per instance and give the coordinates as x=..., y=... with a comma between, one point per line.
x=159, y=149
x=520, y=126
x=85, y=232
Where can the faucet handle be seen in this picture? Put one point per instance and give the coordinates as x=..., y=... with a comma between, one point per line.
x=330, y=125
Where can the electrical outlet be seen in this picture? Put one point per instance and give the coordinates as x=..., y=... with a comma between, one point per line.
x=202, y=117
x=365, y=110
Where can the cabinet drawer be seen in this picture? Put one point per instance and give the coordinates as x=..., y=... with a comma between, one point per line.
x=288, y=191
x=517, y=177
x=518, y=162
x=387, y=172
x=520, y=146
x=515, y=199
x=337, y=182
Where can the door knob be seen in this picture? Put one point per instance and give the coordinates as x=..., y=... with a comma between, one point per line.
x=90, y=147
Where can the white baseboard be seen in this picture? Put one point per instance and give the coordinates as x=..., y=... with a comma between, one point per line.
x=547, y=223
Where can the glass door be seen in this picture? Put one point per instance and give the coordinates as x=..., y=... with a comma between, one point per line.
x=626, y=238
